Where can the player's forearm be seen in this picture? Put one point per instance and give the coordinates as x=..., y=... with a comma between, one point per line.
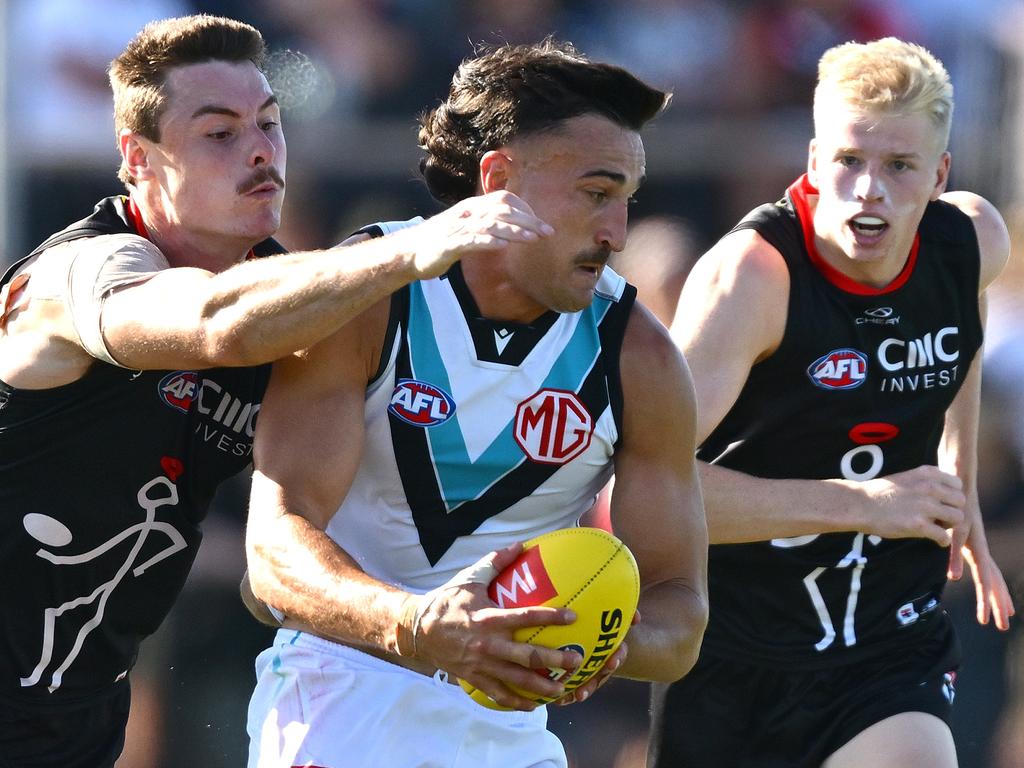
x=958, y=449
x=296, y=568
x=742, y=508
x=664, y=645
x=265, y=309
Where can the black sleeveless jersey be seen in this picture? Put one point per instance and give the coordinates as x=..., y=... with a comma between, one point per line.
x=103, y=484
x=857, y=389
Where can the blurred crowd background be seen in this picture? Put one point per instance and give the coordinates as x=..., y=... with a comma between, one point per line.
x=353, y=74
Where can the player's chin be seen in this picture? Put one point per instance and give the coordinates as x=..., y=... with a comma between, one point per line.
x=575, y=300
x=263, y=226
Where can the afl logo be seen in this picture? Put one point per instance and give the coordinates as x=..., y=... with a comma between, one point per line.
x=421, y=404
x=553, y=427
x=179, y=389
x=839, y=369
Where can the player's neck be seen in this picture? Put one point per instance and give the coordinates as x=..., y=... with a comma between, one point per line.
x=184, y=247
x=496, y=295
x=873, y=271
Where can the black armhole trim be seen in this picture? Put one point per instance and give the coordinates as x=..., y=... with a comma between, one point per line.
x=373, y=230
x=612, y=331
x=398, y=314
x=941, y=218
x=778, y=225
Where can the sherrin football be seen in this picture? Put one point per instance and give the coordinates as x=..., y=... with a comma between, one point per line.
x=586, y=569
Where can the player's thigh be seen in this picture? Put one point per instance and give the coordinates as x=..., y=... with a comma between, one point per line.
x=706, y=719
x=906, y=740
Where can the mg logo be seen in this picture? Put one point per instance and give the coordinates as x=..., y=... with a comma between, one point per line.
x=553, y=426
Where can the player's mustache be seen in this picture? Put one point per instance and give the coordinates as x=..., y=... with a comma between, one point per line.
x=262, y=176
x=598, y=255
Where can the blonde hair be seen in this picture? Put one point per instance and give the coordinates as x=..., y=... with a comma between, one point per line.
x=887, y=75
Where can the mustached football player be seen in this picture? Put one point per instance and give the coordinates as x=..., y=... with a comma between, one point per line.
x=461, y=417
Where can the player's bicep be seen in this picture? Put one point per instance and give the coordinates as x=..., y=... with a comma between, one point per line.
x=991, y=230
x=310, y=431
x=656, y=505
x=159, y=323
x=731, y=314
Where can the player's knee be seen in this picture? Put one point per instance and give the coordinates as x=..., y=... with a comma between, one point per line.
x=906, y=740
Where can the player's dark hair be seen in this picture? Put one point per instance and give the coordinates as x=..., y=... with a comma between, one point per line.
x=138, y=74
x=516, y=90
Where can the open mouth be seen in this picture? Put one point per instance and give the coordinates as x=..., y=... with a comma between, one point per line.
x=868, y=226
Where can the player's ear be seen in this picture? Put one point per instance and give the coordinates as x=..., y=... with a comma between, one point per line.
x=941, y=176
x=812, y=163
x=495, y=171
x=134, y=154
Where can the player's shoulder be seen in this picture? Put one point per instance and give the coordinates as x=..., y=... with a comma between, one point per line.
x=742, y=266
x=971, y=203
x=650, y=353
x=124, y=245
x=736, y=298
x=990, y=228
x=105, y=261
x=380, y=229
x=127, y=244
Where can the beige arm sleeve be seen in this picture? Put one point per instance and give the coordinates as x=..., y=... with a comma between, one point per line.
x=97, y=267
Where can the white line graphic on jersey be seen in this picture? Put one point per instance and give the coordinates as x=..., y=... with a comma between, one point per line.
x=51, y=532
x=868, y=437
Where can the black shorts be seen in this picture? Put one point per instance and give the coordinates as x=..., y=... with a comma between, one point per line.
x=87, y=736
x=726, y=714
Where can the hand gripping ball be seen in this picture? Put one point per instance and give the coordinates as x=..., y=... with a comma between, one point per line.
x=586, y=569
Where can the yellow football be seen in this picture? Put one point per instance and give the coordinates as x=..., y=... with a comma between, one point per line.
x=586, y=569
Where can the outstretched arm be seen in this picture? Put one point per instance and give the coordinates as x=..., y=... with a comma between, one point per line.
x=307, y=450
x=263, y=309
x=254, y=312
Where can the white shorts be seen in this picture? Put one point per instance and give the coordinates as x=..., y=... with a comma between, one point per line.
x=318, y=703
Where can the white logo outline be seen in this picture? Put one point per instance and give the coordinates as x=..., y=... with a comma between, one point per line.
x=102, y=593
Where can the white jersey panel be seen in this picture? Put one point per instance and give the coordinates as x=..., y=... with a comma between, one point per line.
x=501, y=452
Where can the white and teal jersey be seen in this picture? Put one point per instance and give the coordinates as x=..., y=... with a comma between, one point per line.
x=481, y=433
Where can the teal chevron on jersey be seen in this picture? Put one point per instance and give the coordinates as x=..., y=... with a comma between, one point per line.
x=460, y=476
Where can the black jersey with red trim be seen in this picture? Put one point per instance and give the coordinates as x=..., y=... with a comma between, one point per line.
x=103, y=485
x=858, y=388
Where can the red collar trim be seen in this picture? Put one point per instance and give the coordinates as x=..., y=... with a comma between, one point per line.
x=798, y=192
x=135, y=218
